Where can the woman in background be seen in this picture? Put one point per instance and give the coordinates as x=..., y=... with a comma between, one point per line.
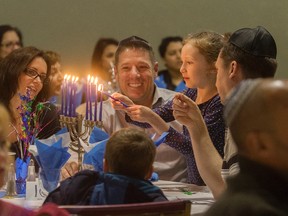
x=170, y=51
x=56, y=76
x=10, y=39
x=103, y=59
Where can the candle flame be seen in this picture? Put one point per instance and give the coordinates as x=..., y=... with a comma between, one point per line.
x=68, y=77
x=100, y=87
x=65, y=76
x=96, y=81
x=88, y=78
x=92, y=80
x=76, y=79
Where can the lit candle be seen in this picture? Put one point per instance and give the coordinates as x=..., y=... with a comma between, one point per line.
x=71, y=96
x=67, y=94
x=90, y=94
x=96, y=99
x=63, y=95
x=87, y=96
x=74, y=96
x=100, y=89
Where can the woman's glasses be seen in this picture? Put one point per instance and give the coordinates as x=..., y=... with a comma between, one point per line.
x=34, y=74
x=12, y=44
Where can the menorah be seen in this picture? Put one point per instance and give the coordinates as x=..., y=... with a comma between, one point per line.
x=79, y=130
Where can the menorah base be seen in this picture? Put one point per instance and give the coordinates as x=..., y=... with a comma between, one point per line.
x=79, y=130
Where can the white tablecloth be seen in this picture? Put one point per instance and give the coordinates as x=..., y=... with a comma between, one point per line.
x=200, y=197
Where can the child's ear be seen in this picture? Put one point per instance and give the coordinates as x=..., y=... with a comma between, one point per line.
x=105, y=166
x=149, y=173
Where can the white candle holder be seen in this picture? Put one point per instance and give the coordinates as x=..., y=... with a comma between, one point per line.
x=77, y=132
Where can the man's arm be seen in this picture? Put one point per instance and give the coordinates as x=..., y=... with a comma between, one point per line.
x=208, y=160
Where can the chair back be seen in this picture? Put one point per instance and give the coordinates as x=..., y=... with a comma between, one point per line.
x=169, y=208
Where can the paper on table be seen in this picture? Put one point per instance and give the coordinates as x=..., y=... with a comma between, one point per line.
x=179, y=190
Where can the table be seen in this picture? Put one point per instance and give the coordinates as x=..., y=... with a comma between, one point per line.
x=21, y=201
x=200, y=196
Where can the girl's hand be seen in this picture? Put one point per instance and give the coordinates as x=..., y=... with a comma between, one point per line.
x=140, y=113
x=185, y=110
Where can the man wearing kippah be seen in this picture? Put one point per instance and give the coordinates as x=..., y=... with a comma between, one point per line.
x=135, y=71
x=249, y=53
x=256, y=113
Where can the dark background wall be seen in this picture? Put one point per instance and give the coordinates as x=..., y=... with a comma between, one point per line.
x=71, y=27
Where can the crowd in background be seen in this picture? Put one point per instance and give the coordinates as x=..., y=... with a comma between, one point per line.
x=216, y=98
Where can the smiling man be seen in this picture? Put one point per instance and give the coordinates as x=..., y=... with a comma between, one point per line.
x=135, y=70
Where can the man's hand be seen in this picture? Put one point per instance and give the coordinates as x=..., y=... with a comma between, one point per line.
x=117, y=105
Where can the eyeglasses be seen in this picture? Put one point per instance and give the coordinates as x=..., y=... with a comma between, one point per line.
x=34, y=74
x=11, y=44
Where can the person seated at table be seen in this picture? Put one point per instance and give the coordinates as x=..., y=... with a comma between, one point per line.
x=256, y=113
x=249, y=53
x=9, y=209
x=27, y=70
x=56, y=76
x=135, y=69
x=199, y=53
x=128, y=163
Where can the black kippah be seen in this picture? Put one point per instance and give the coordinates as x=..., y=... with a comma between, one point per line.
x=255, y=41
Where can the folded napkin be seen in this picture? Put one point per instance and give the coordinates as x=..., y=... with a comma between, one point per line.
x=51, y=155
x=97, y=135
x=94, y=152
x=95, y=149
x=21, y=168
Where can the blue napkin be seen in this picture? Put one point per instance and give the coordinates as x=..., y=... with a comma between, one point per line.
x=97, y=135
x=21, y=168
x=96, y=154
x=154, y=177
x=62, y=131
x=51, y=158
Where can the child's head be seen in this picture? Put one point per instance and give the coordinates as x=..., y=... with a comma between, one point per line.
x=199, y=54
x=56, y=76
x=4, y=145
x=208, y=43
x=130, y=152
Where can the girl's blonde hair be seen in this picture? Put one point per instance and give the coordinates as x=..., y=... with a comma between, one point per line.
x=209, y=44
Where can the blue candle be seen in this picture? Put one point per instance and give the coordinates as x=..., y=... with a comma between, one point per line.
x=67, y=95
x=87, y=96
x=90, y=100
x=96, y=99
x=62, y=95
x=74, y=96
x=101, y=101
x=71, y=97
